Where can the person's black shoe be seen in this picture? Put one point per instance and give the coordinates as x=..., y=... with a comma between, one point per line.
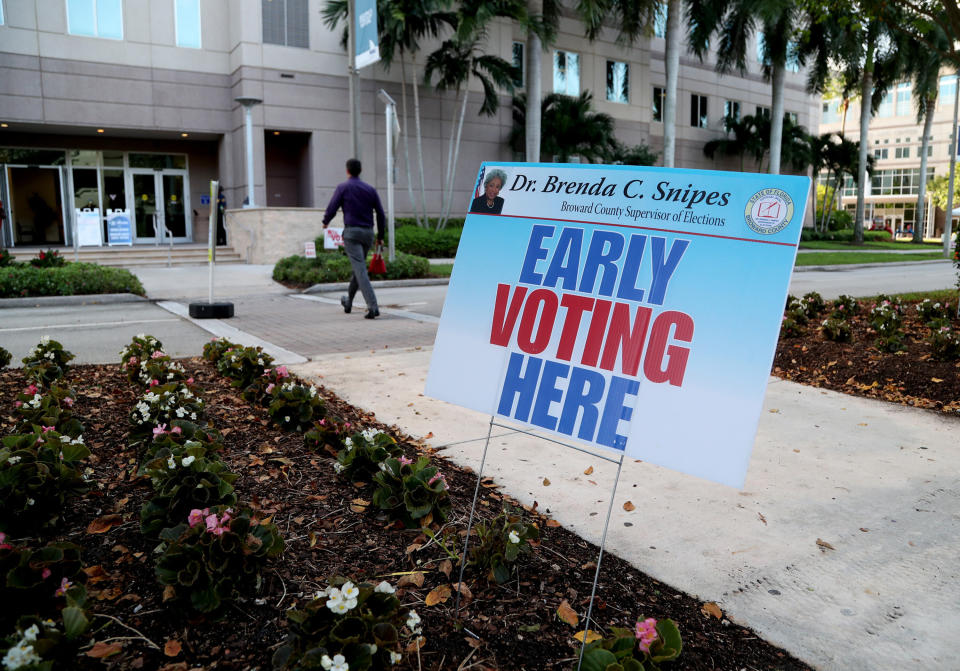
x=372, y=314
x=346, y=306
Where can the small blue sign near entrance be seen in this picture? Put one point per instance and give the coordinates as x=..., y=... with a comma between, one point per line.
x=119, y=231
x=205, y=199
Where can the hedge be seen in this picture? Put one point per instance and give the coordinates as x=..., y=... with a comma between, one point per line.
x=808, y=234
x=71, y=279
x=335, y=267
x=427, y=242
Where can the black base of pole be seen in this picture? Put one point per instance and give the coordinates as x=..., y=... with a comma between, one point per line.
x=211, y=310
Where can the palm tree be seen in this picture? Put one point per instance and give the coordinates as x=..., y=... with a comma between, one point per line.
x=454, y=63
x=743, y=139
x=570, y=128
x=840, y=158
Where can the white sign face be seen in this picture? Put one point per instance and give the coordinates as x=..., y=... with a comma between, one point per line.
x=89, y=228
x=633, y=309
x=310, y=249
x=332, y=238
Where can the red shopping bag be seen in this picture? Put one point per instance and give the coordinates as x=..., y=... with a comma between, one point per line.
x=377, y=265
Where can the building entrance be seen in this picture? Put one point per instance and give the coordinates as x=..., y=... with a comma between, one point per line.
x=36, y=205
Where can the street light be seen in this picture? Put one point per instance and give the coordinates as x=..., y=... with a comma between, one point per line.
x=393, y=134
x=248, y=103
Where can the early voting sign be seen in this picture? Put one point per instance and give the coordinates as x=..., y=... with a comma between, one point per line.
x=633, y=309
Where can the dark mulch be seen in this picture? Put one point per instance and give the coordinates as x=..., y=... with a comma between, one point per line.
x=912, y=376
x=515, y=624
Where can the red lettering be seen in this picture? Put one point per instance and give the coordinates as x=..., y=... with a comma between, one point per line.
x=621, y=338
x=598, y=325
x=576, y=306
x=544, y=326
x=503, y=321
x=676, y=356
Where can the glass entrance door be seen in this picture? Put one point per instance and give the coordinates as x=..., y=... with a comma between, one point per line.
x=148, y=220
x=160, y=206
x=175, y=207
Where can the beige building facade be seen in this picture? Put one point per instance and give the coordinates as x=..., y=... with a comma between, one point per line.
x=127, y=108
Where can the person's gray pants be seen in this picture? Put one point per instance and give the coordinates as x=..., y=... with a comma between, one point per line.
x=357, y=242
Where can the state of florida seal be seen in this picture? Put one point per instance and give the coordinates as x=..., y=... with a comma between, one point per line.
x=768, y=211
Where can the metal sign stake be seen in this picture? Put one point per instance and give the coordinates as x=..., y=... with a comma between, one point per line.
x=473, y=507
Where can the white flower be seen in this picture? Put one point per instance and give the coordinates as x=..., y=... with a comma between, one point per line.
x=321, y=593
x=150, y=397
x=340, y=663
x=13, y=460
x=186, y=461
x=30, y=502
x=286, y=418
x=259, y=362
x=19, y=656
x=413, y=622
x=348, y=443
x=335, y=600
x=395, y=657
x=45, y=340
x=514, y=538
x=171, y=464
x=193, y=415
x=180, y=412
x=384, y=588
x=349, y=591
x=326, y=662
x=372, y=648
x=370, y=434
x=337, y=467
x=313, y=392
x=31, y=633
x=49, y=624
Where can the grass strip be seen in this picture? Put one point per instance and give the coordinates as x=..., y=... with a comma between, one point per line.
x=845, y=258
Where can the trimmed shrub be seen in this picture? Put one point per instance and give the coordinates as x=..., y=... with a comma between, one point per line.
x=335, y=267
x=71, y=279
x=846, y=235
x=427, y=242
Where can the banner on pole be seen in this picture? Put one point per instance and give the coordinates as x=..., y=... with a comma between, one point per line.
x=367, y=43
x=634, y=309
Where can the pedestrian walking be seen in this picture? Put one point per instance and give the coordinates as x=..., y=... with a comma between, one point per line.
x=359, y=201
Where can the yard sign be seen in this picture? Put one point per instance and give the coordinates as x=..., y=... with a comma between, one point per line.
x=633, y=309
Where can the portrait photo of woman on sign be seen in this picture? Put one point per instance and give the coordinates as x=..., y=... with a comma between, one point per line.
x=490, y=201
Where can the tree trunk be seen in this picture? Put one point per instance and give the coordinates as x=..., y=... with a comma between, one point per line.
x=827, y=201
x=776, y=120
x=416, y=118
x=866, y=88
x=406, y=141
x=456, y=156
x=672, y=67
x=534, y=87
x=449, y=167
x=918, y=223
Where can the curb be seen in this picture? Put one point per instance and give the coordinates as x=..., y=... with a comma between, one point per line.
x=846, y=266
x=377, y=284
x=83, y=299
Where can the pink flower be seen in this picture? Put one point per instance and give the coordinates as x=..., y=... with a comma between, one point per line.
x=322, y=422
x=133, y=361
x=156, y=355
x=439, y=476
x=45, y=429
x=189, y=380
x=67, y=401
x=17, y=404
x=282, y=371
x=159, y=430
x=646, y=633
x=153, y=383
x=177, y=430
x=196, y=516
x=212, y=522
x=226, y=516
x=3, y=542
x=45, y=573
x=31, y=390
x=270, y=388
x=406, y=462
x=64, y=586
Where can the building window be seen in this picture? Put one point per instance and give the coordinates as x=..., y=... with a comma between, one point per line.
x=286, y=22
x=698, y=111
x=566, y=73
x=659, y=97
x=792, y=117
x=897, y=182
x=188, y=23
x=886, y=105
x=618, y=82
x=731, y=111
x=901, y=152
x=881, y=153
x=660, y=21
x=948, y=90
x=1, y=12
x=793, y=58
x=95, y=18
x=518, y=64
x=904, y=99
x=831, y=111
x=929, y=150
x=763, y=112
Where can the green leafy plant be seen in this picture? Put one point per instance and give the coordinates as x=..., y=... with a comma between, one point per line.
x=886, y=320
x=5, y=358
x=845, y=307
x=791, y=328
x=945, y=343
x=213, y=350
x=183, y=480
x=335, y=267
x=216, y=555
x=48, y=259
x=52, y=407
x=261, y=389
x=933, y=311
x=6, y=258
x=501, y=541
x=46, y=362
x=244, y=365
x=363, y=453
x=644, y=648
x=348, y=626
x=71, y=280
x=414, y=493
x=837, y=330
x=39, y=472
x=158, y=369
x=47, y=582
x=813, y=304
x=138, y=352
x=162, y=405
x=182, y=433
x=293, y=406
x=891, y=302
x=328, y=433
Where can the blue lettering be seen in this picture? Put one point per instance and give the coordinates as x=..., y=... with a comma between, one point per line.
x=614, y=410
x=565, y=262
x=631, y=268
x=605, y=248
x=535, y=252
x=663, y=270
x=548, y=393
x=584, y=391
x=518, y=384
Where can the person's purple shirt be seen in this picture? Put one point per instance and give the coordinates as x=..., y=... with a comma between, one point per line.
x=359, y=201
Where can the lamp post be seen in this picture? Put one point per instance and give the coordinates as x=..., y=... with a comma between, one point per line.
x=248, y=103
x=393, y=133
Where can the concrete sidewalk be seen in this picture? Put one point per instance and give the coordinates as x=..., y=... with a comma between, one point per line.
x=842, y=548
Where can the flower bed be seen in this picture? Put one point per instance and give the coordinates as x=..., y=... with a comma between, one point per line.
x=353, y=564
